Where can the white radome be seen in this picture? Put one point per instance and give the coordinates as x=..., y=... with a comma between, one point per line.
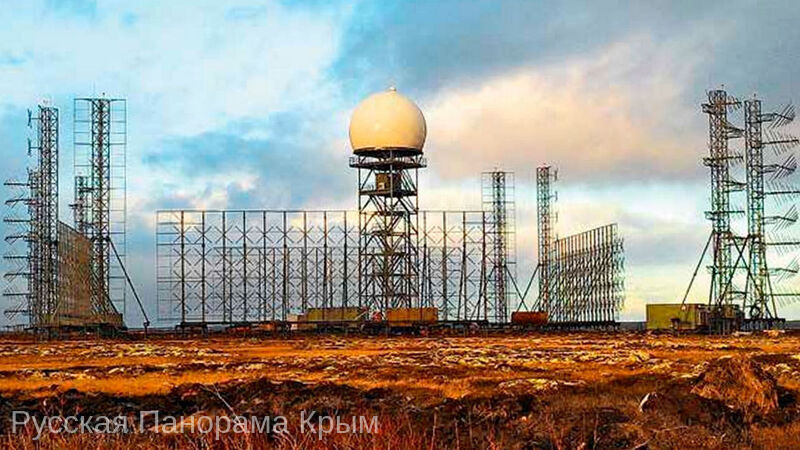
x=387, y=120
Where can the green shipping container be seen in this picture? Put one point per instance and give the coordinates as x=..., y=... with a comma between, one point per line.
x=675, y=316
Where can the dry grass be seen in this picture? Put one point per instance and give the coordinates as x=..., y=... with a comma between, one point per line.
x=564, y=390
x=448, y=365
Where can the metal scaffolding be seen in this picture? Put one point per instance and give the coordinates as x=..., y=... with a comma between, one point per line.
x=32, y=283
x=235, y=266
x=254, y=266
x=52, y=275
x=719, y=161
x=545, y=223
x=758, y=285
x=388, y=223
x=581, y=277
x=497, y=188
x=760, y=304
x=738, y=259
x=588, y=277
x=100, y=139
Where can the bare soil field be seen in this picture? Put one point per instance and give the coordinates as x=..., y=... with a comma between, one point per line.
x=572, y=390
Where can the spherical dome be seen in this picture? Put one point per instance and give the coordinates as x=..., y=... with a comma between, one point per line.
x=387, y=120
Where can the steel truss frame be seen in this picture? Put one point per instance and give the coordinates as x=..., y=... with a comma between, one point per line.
x=497, y=192
x=100, y=140
x=719, y=161
x=32, y=283
x=758, y=297
x=582, y=276
x=388, y=224
x=760, y=303
x=546, y=176
x=249, y=266
x=588, y=277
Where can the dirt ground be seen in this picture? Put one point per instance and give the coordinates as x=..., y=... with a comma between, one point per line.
x=578, y=390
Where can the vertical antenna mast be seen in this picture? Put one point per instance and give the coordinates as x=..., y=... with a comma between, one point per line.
x=498, y=204
x=100, y=139
x=719, y=162
x=33, y=242
x=545, y=199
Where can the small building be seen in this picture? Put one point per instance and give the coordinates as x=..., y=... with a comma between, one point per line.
x=677, y=316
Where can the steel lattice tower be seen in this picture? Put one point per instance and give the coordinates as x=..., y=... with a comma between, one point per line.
x=498, y=203
x=43, y=209
x=40, y=229
x=45, y=217
x=99, y=208
x=388, y=205
x=581, y=276
x=101, y=193
x=758, y=306
x=750, y=261
x=719, y=162
x=545, y=223
x=760, y=303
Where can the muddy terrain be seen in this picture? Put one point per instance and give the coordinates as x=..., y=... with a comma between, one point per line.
x=586, y=390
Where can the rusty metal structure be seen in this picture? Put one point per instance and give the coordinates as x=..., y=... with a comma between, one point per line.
x=725, y=290
x=229, y=267
x=546, y=216
x=51, y=278
x=758, y=285
x=767, y=229
x=32, y=283
x=497, y=191
x=100, y=139
x=582, y=276
x=588, y=277
x=720, y=161
x=253, y=266
x=388, y=224
x=455, y=265
x=744, y=291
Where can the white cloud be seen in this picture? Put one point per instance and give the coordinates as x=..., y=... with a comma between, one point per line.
x=191, y=69
x=619, y=113
x=185, y=70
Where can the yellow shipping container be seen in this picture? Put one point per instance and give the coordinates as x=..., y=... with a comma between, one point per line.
x=674, y=316
x=407, y=316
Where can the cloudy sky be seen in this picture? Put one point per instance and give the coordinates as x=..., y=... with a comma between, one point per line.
x=244, y=104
